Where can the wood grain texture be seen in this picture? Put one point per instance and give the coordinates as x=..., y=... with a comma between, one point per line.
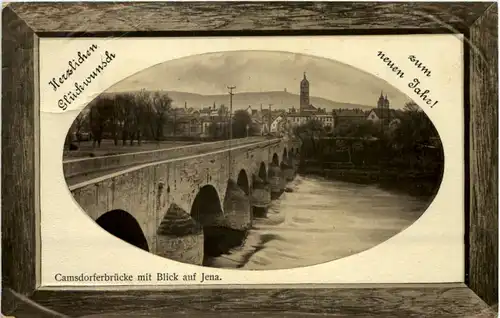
x=483, y=236
x=425, y=301
x=18, y=154
x=18, y=205
x=205, y=16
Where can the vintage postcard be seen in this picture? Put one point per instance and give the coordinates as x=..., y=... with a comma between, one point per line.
x=201, y=161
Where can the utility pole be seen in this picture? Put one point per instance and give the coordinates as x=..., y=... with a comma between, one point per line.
x=231, y=110
x=269, y=125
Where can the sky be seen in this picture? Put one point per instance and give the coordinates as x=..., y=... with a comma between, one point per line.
x=260, y=71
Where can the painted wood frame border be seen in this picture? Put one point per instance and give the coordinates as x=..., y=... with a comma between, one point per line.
x=24, y=23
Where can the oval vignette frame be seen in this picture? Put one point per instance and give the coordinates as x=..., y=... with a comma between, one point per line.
x=181, y=223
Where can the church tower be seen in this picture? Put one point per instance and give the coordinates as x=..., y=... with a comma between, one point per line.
x=304, y=93
x=381, y=101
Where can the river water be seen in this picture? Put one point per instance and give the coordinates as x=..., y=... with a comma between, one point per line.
x=320, y=221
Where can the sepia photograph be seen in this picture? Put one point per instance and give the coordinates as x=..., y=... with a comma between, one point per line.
x=250, y=159
x=253, y=160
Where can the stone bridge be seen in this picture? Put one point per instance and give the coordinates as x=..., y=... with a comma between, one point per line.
x=191, y=207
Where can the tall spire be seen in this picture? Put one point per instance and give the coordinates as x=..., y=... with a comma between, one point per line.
x=305, y=75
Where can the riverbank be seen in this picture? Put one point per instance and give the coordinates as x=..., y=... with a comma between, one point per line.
x=414, y=183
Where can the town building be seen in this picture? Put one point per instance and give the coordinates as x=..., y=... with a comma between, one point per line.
x=277, y=123
x=347, y=116
x=189, y=126
x=307, y=111
x=381, y=114
x=304, y=93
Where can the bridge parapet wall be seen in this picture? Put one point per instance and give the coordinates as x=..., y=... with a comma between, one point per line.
x=76, y=167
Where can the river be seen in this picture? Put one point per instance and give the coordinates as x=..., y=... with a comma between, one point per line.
x=320, y=221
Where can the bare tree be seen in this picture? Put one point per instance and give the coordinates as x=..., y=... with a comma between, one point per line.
x=160, y=105
x=124, y=110
x=101, y=111
x=140, y=116
x=80, y=123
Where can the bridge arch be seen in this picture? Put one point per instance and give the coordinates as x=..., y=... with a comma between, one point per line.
x=124, y=226
x=284, y=159
x=242, y=181
x=206, y=207
x=207, y=212
x=263, y=171
x=276, y=160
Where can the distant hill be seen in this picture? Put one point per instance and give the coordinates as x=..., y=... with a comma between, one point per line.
x=278, y=99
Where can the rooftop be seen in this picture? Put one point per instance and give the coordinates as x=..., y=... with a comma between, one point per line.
x=349, y=113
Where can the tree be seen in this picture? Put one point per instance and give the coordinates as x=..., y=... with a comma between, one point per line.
x=115, y=121
x=125, y=104
x=310, y=130
x=140, y=116
x=411, y=106
x=222, y=111
x=157, y=106
x=174, y=121
x=68, y=140
x=415, y=127
x=101, y=112
x=411, y=135
x=344, y=146
x=256, y=128
x=80, y=123
x=217, y=129
x=360, y=129
x=213, y=130
x=242, y=120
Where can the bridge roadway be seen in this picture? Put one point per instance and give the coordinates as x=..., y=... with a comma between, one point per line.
x=120, y=162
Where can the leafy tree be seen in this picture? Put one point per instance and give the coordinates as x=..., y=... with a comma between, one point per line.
x=344, y=146
x=242, y=120
x=217, y=129
x=360, y=129
x=414, y=129
x=407, y=140
x=310, y=130
x=255, y=129
x=411, y=106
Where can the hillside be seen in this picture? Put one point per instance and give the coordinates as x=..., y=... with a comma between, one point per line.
x=279, y=100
